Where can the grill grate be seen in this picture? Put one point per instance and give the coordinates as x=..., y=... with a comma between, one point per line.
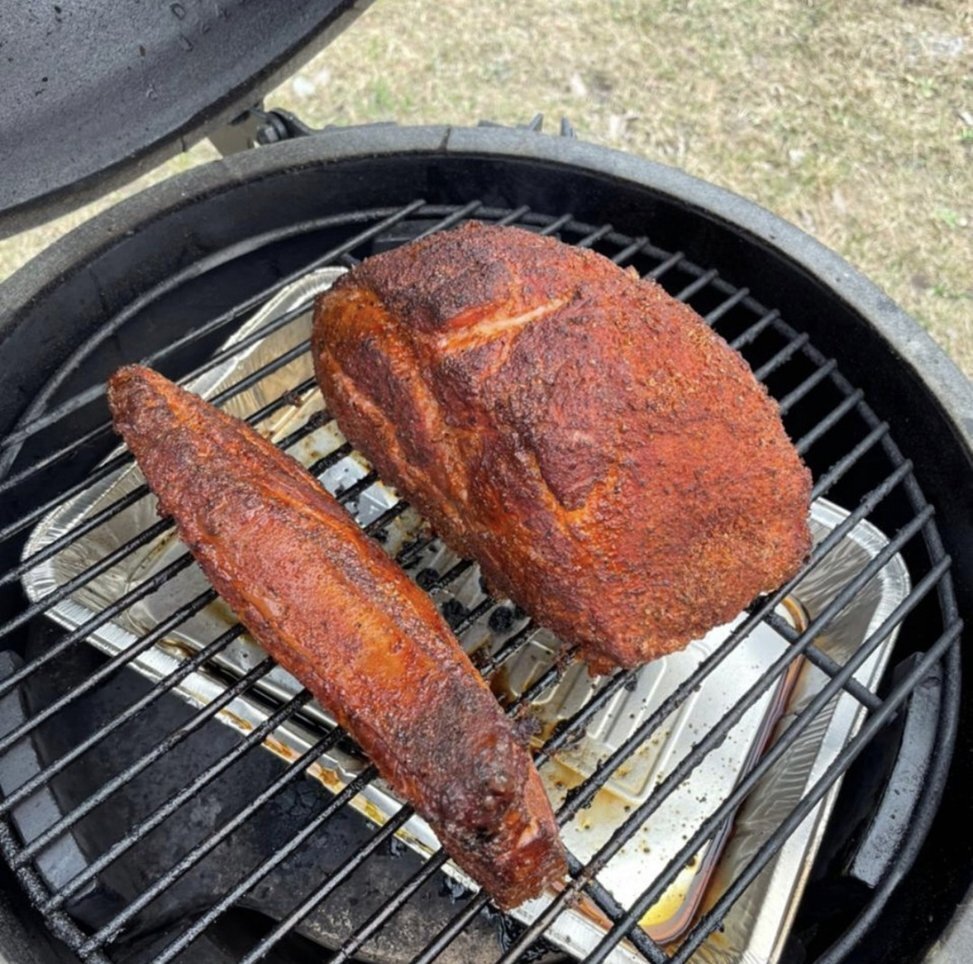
x=851, y=453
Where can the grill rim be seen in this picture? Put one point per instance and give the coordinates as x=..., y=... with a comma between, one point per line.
x=282, y=164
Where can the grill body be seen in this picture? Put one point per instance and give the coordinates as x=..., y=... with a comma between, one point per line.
x=216, y=216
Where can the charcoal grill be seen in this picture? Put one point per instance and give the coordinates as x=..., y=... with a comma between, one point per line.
x=136, y=827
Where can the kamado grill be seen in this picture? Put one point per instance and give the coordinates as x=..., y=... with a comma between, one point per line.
x=787, y=790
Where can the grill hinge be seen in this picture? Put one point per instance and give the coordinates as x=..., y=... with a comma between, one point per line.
x=255, y=127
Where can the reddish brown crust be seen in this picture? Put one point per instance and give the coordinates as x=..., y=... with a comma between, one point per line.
x=609, y=461
x=328, y=604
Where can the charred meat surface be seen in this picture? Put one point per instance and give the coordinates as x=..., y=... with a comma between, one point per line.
x=608, y=460
x=330, y=607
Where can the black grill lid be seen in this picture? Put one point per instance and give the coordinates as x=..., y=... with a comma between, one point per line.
x=94, y=93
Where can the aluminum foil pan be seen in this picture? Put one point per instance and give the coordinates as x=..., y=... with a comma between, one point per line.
x=755, y=929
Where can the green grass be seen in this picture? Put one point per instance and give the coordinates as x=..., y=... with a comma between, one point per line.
x=851, y=119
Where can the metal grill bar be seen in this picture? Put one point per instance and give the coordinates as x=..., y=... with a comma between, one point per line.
x=713, y=316
x=97, y=519
x=515, y=215
x=593, y=237
x=336, y=879
x=847, y=462
x=255, y=876
x=824, y=425
x=649, y=949
x=287, y=398
x=294, y=770
x=83, y=578
x=805, y=388
x=666, y=266
x=126, y=716
x=119, y=505
x=264, y=331
x=389, y=515
x=755, y=330
x=557, y=224
x=411, y=555
x=480, y=609
x=389, y=908
x=701, y=282
x=642, y=941
x=38, y=465
x=285, y=358
x=60, y=924
x=104, y=469
x=824, y=662
x=144, y=589
x=629, y=252
x=613, y=910
x=454, y=572
x=451, y=931
x=785, y=354
x=652, y=894
x=387, y=217
x=101, y=472
x=355, y=490
x=489, y=664
x=458, y=215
